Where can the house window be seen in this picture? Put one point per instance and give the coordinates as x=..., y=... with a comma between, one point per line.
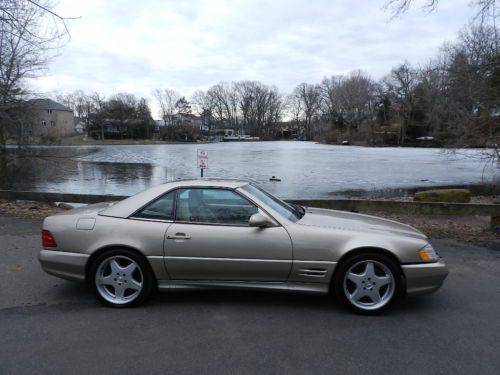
x=53, y=123
x=49, y=111
x=44, y=123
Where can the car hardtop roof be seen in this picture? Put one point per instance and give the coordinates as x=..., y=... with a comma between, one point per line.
x=232, y=183
x=128, y=206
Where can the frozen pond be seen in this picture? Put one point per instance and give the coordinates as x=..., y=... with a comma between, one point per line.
x=307, y=170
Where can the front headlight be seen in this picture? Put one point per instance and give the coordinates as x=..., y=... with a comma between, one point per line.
x=428, y=254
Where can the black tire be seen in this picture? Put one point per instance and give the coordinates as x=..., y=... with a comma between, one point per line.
x=143, y=274
x=343, y=286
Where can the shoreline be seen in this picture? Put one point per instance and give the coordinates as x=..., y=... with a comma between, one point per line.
x=79, y=141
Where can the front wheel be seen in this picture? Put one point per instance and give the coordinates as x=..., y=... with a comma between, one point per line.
x=367, y=283
x=121, y=278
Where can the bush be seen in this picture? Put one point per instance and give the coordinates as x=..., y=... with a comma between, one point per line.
x=443, y=195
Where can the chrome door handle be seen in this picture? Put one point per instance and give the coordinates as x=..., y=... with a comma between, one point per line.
x=178, y=236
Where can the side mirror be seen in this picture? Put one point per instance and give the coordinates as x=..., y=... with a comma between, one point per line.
x=259, y=220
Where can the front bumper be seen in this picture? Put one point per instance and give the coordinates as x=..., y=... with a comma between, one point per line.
x=424, y=278
x=70, y=266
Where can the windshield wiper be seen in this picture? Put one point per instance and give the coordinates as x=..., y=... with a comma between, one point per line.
x=299, y=210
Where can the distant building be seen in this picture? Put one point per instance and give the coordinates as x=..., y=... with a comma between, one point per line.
x=52, y=119
x=197, y=122
x=80, y=126
x=291, y=130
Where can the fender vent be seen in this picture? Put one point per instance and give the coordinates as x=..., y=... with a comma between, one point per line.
x=312, y=272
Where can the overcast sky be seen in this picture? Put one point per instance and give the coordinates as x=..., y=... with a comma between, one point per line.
x=136, y=46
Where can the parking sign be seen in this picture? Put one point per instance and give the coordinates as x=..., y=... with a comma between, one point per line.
x=202, y=159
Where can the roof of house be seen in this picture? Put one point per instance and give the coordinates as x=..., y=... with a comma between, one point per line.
x=49, y=104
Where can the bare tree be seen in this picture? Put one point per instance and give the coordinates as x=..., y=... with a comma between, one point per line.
x=485, y=9
x=11, y=17
x=293, y=105
x=182, y=110
x=330, y=100
x=166, y=99
x=225, y=99
x=400, y=85
x=310, y=98
x=398, y=7
x=27, y=42
x=255, y=100
x=275, y=109
x=204, y=106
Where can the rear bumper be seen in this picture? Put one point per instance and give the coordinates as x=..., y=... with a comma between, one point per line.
x=424, y=278
x=70, y=266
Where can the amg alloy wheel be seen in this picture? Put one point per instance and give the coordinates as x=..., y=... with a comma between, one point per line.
x=368, y=283
x=121, y=278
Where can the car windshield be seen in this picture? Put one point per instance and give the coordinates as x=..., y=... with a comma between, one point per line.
x=290, y=211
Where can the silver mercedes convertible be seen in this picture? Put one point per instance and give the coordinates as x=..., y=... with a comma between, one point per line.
x=232, y=234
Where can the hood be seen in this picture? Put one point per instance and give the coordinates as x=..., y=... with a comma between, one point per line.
x=342, y=220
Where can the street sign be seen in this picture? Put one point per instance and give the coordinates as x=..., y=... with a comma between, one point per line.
x=203, y=163
x=202, y=159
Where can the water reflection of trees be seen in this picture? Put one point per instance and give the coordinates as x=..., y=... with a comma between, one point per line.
x=26, y=168
x=114, y=178
x=55, y=169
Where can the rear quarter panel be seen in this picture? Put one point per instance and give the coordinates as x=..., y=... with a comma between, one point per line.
x=147, y=237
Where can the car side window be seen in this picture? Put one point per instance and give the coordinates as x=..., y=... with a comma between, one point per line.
x=160, y=209
x=214, y=206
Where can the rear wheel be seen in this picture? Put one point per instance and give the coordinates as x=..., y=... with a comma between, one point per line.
x=121, y=278
x=367, y=283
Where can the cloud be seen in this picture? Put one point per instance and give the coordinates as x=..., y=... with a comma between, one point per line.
x=186, y=45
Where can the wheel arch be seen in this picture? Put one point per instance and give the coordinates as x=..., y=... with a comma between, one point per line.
x=97, y=253
x=369, y=249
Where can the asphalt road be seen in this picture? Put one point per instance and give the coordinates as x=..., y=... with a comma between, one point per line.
x=51, y=326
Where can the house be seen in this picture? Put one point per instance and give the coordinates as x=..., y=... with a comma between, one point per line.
x=80, y=127
x=197, y=122
x=51, y=119
x=291, y=130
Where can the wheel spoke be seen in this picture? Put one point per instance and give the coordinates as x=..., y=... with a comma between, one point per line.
x=130, y=269
x=357, y=294
x=115, y=267
x=369, y=270
x=382, y=280
x=375, y=296
x=134, y=285
x=107, y=280
x=355, y=278
x=119, y=290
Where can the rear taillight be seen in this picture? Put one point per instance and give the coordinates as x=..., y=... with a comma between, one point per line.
x=48, y=239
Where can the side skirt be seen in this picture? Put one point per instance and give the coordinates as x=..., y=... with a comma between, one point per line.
x=181, y=285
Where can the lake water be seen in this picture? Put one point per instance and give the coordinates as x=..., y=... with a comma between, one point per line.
x=306, y=169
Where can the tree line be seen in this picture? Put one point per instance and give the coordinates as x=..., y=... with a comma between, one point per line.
x=453, y=100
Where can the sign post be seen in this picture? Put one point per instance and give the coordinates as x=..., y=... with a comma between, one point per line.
x=202, y=160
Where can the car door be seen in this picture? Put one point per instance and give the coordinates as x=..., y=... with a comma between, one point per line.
x=211, y=240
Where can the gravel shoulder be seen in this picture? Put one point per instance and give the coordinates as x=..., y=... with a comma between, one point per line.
x=473, y=229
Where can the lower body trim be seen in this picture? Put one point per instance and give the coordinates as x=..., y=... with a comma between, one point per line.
x=309, y=288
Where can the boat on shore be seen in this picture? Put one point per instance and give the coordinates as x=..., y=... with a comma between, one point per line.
x=239, y=138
